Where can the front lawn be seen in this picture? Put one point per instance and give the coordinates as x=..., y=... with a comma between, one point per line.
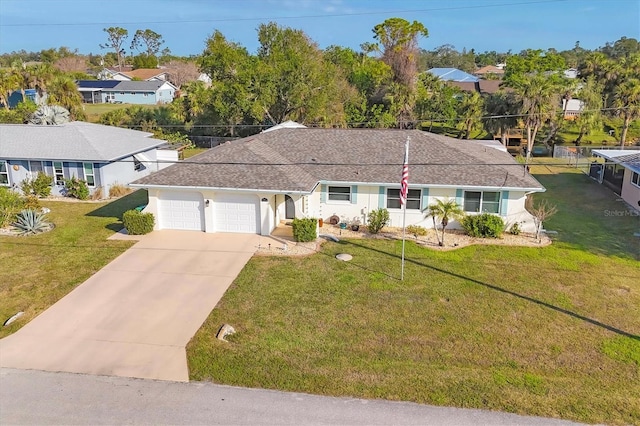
x=550, y=331
x=36, y=271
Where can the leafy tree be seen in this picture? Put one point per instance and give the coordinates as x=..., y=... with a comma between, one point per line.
x=626, y=99
x=445, y=210
x=147, y=42
x=116, y=37
x=18, y=115
x=399, y=39
x=145, y=61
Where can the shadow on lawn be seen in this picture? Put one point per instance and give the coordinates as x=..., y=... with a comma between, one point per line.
x=499, y=289
x=589, y=216
x=116, y=208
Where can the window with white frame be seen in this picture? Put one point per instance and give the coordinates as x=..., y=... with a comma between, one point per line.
x=4, y=173
x=89, y=175
x=482, y=201
x=35, y=167
x=339, y=193
x=413, y=199
x=58, y=172
x=635, y=178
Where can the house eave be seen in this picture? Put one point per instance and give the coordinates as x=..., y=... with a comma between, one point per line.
x=428, y=185
x=219, y=189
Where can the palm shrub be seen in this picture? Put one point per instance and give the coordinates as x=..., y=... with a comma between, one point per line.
x=377, y=220
x=77, y=188
x=138, y=223
x=31, y=222
x=445, y=210
x=304, y=230
x=38, y=185
x=483, y=225
x=10, y=205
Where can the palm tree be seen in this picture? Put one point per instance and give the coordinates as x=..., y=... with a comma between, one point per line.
x=591, y=115
x=470, y=110
x=9, y=81
x=501, y=109
x=626, y=99
x=64, y=92
x=536, y=92
x=446, y=210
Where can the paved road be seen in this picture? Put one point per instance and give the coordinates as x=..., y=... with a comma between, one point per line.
x=134, y=317
x=36, y=397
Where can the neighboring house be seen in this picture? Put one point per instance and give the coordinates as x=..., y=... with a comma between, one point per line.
x=620, y=172
x=140, y=74
x=129, y=92
x=489, y=70
x=100, y=155
x=484, y=87
x=572, y=109
x=16, y=97
x=249, y=185
x=452, y=74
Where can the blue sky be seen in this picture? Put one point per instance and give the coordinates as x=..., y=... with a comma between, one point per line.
x=499, y=25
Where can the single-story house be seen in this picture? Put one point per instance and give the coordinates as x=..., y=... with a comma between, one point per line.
x=128, y=92
x=100, y=155
x=620, y=171
x=572, y=109
x=489, y=70
x=252, y=184
x=483, y=87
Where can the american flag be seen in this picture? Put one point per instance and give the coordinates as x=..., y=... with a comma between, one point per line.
x=404, y=183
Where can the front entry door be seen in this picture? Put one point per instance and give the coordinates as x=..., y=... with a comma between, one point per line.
x=289, y=208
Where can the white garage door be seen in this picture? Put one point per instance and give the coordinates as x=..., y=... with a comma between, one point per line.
x=181, y=210
x=236, y=213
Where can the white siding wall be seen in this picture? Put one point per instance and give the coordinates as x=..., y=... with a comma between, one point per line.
x=630, y=192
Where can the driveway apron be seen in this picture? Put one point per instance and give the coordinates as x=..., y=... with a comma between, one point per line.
x=134, y=317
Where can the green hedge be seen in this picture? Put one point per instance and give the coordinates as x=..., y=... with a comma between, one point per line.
x=483, y=225
x=138, y=223
x=304, y=230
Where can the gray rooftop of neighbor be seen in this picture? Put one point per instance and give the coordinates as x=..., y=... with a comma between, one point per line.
x=296, y=160
x=75, y=141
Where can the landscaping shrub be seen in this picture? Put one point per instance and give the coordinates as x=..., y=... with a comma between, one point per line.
x=417, y=231
x=97, y=194
x=515, y=229
x=118, y=190
x=10, y=205
x=31, y=202
x=138, y=223
x=39, y=185
x=483, y=225
x=31, y=222
x=304, y=230
x=377, y=220
x=76, y=188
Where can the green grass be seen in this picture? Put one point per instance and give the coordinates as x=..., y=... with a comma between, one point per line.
x=550, y=331
x=36, y=271
x=94, y=111
x=190, y=152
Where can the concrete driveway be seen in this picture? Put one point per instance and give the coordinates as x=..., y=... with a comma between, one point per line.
x=134, y=317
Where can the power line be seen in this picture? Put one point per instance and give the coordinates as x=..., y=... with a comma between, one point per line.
x=333, y=15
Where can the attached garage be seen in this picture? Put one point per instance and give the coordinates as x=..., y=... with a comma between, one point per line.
x=181, y=210
x=236, y=213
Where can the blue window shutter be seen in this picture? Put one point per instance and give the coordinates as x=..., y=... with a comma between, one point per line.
x=425, y=198
x=323, y=193
x=354, y=194
x=381, y=197
x=504, y=203
x=459, y=198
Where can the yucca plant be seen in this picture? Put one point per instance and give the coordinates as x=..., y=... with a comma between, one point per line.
x=31, y=222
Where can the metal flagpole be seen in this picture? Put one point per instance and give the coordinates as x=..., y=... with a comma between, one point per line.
x=404, y=189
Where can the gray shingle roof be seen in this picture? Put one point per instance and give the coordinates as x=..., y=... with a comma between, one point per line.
x=76, y=141
x=136, y=86
x=296, y=160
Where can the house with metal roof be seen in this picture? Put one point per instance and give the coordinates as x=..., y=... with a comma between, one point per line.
x=100, y=155
x=252, y=184
x=619, y=169
x=452, y=74
x=126, y=92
